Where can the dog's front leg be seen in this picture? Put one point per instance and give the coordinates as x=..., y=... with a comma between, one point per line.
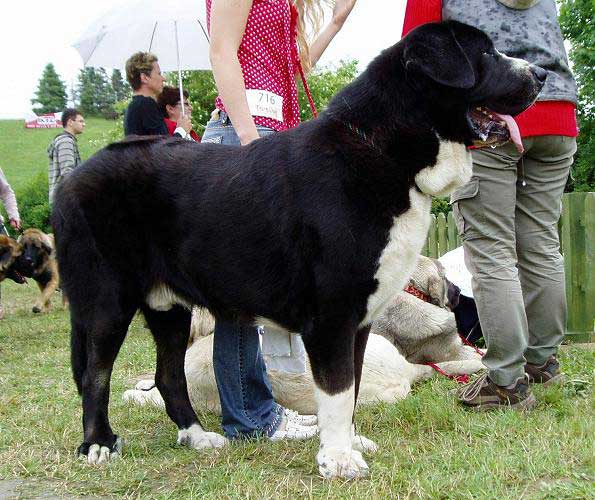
x=42, y=304
x=331, y=353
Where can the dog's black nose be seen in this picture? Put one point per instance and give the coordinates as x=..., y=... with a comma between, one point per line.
x=540, y=73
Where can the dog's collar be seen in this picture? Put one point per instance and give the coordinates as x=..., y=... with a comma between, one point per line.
x=417, y=293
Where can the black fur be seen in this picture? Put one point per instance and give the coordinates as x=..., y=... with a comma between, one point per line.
x=289, y=228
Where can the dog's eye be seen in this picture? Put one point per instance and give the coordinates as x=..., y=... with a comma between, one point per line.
x=491, y=54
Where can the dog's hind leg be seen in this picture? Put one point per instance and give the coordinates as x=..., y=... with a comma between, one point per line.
x=171, y=330
x=97, y=335
x=360, y=443
x=331, y=352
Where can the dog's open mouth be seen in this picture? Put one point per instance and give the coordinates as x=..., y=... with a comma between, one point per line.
x=15, y=276
x=493, y=129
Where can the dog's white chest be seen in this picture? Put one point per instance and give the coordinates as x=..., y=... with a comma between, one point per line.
x=397, y=260
x=452, y=169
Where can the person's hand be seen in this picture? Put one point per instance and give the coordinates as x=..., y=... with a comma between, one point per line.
x=185, y=122
x=15, y=224
x=342, y=10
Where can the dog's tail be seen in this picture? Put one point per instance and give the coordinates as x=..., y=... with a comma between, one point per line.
x=75, y=252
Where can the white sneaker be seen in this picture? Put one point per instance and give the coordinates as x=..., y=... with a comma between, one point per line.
x=293, y=431
x=295, y=417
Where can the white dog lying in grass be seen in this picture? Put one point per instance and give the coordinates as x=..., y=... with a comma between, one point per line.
x=411, y=332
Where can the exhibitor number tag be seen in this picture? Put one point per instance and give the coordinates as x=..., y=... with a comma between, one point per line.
x=265, y=103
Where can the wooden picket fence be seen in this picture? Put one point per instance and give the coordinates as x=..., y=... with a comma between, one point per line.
x=577, y=235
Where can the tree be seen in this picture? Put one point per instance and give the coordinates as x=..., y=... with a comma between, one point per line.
x=121, y=88
x=96, y=95
x=85, y=91
x=105, y=96
x=324, y=83
x=576, y=21
x=51, y=92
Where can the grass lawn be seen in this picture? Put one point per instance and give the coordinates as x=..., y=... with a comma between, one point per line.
x=429, y=447
x=23, y=151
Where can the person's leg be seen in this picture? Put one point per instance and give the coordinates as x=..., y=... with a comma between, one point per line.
x=485, y=212
x=247, y=404
x=541, y=267
x=248, y=407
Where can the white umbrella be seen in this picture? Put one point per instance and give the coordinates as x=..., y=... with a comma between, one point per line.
x=174, y=31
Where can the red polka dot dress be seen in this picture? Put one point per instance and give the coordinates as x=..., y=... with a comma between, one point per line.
x=268, y=55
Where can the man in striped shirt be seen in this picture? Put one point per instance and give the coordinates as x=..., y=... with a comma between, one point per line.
x=63, y=151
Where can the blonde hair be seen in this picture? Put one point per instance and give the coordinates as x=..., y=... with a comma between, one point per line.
x=311, y=15
x=139, y=63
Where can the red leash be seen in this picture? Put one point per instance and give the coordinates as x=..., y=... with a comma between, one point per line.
x=461, y=379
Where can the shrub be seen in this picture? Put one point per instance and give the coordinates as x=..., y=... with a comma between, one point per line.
x=34, y=205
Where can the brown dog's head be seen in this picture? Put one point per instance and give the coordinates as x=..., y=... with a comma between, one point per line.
x=10, y=252
x=37, y=248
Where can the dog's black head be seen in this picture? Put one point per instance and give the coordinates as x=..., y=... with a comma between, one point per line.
x=466, y=79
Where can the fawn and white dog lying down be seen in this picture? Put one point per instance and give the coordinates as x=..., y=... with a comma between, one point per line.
x=410, y=333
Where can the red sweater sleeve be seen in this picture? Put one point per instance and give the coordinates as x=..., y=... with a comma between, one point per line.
x=420, y=12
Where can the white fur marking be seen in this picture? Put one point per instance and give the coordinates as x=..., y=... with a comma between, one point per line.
x=163, y=298
x=336, y=456
x=452, y=169
x=196, y=437
x=397, y=261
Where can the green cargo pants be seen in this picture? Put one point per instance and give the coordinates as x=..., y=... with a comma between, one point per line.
x=507, y=217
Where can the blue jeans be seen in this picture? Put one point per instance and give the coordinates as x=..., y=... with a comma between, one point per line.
x=248, y=408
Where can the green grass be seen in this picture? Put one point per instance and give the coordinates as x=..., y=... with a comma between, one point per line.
x=429, y=447
x=23, y=151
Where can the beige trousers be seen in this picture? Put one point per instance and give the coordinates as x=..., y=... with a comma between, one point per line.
x=507, y=217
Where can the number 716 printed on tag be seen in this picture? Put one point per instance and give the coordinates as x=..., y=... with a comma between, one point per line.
x=265, y=103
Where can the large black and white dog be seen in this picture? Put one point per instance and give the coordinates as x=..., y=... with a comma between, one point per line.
x=314, y=229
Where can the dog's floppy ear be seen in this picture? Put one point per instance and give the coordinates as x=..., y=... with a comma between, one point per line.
x=48, y=249
x=442, y=59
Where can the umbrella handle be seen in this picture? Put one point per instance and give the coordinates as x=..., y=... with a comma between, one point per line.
x=180, y=85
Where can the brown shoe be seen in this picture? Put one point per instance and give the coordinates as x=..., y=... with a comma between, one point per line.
x=547, y=373
x=482, y=395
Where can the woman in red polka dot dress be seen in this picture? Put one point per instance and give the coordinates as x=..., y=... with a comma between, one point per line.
x=258, y=48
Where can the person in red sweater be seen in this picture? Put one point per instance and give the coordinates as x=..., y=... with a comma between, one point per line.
x=171, y=109
x=507, y=214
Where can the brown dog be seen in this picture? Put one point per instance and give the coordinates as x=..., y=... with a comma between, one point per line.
x=38, y=261
x=10, y=252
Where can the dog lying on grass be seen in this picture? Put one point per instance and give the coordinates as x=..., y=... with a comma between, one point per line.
x=410, y=333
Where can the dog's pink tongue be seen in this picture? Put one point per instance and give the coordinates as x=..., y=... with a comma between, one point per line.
x=513, y=128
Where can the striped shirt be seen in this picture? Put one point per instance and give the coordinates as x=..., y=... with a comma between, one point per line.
x=64, y=156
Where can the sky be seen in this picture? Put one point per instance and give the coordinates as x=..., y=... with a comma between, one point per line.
x=36, y=32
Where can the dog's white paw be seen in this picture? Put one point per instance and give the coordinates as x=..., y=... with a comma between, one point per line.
x=98, y=455
x=347, y=464
x=199, y=439
x=363, y=444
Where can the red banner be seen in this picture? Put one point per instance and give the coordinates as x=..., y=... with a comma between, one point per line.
x=50, y=120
